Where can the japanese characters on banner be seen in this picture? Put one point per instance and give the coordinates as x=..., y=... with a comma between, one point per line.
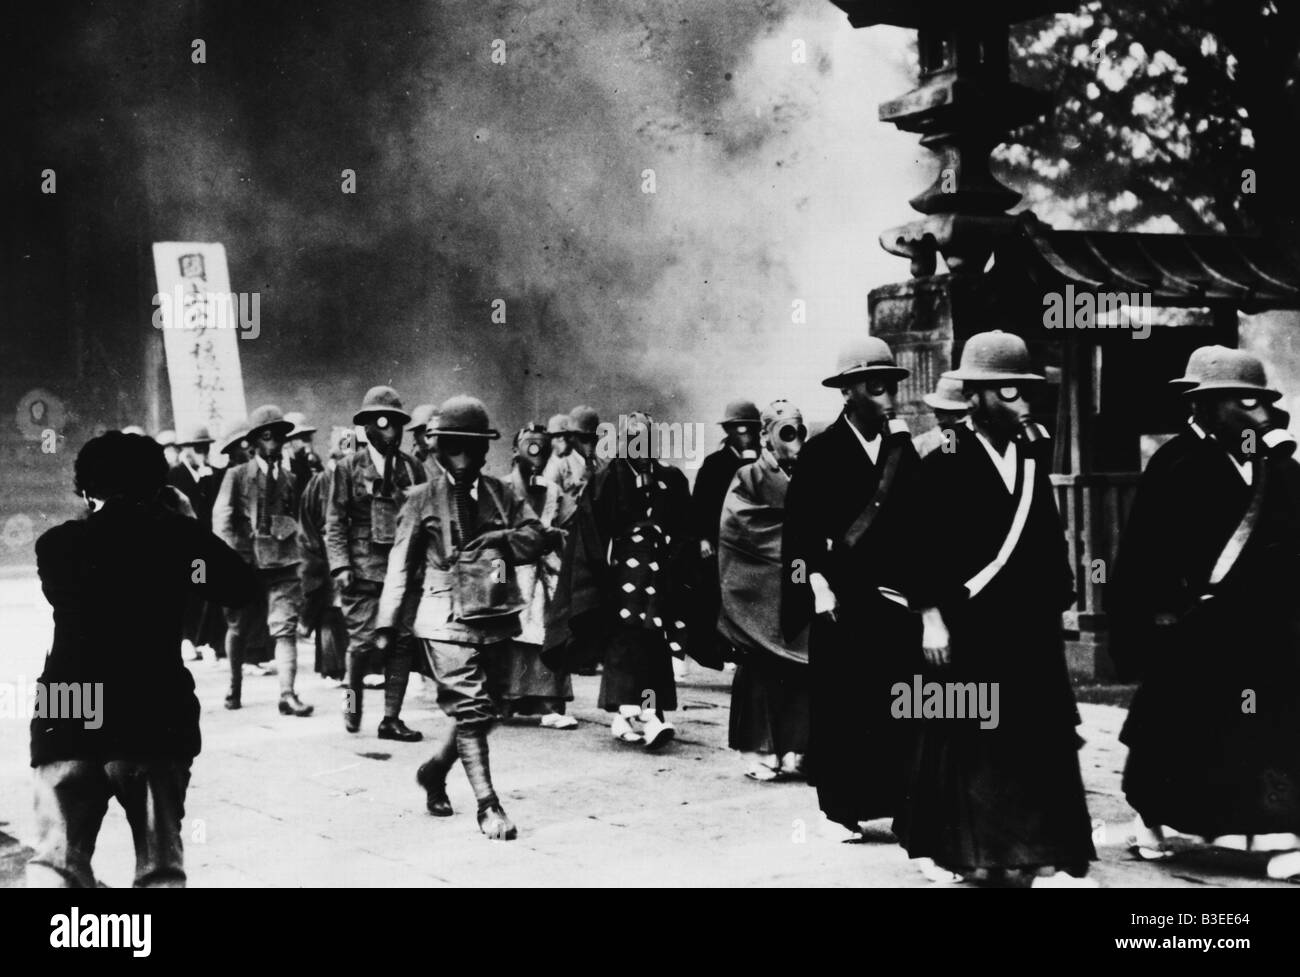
x=201, y=322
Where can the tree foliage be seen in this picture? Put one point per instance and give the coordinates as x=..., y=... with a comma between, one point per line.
x=1167, y=115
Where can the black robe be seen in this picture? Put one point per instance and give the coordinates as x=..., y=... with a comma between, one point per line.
x=1011, y=796
x=857, y=751
x=1214, y=729
x=1128, y=595
x=708, y=646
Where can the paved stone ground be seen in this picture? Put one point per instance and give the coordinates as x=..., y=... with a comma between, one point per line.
x=280, y=801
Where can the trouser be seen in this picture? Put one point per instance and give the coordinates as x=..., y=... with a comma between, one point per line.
x=276, y=610
x=71, y=801
x=458, y=670
x=360, y=610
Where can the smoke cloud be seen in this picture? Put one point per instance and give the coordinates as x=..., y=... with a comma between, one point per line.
x=524, y=183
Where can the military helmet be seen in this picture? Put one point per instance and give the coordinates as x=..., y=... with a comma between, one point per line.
x=268, y=416
x=379, y=401
x=464, y=415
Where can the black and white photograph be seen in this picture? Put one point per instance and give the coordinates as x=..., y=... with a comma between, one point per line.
x=652, y=445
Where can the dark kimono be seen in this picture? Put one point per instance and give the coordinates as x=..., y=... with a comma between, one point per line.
x=857, y=752
x=626, y=582
x=770, y=693
x=708, y=647
x=1132, y=629
x=1010, y=796
x=204, y=622
x=1214, y=729
x=318, y=610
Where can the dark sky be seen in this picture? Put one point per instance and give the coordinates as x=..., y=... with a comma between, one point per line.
x=475, y=181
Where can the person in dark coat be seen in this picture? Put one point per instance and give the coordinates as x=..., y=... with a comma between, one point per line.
x=299, y=452
x=321, y=613
x=205, y=626
x=996, y=793
x=625, y=586
x=740, y=422
x=134, y=729
x=769, y=694
x=366, y=490
x=1214, y=729
x=851, y=582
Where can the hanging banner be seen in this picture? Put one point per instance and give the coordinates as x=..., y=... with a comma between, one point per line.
x=201, y=322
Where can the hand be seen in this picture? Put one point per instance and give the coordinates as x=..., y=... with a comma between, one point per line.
x=824, y=601
x=343, y=581
x=383, y=639
x=706, y=549
x=934, y=639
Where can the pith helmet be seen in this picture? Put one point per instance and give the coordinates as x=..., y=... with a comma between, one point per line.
x=740, y=412
x=865, y=356
x=236, y=431
x=584, y=420
x=194, y=434
x=1233, y=370
x=1195, y=363
x=268, y=416
x=420, y=417
x=300, y=426
x=994, y=357
x=947, y=396
x=464, y=415
x=166, y=439
x=380, y=400
x=558, y=424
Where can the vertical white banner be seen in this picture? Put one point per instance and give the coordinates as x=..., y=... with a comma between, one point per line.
x=200, y=321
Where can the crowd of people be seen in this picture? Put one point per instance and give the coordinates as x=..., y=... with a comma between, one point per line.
x=840, y=574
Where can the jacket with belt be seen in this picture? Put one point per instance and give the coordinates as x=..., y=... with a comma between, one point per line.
x=237, y=512
x=360, y=525
x=420, y=545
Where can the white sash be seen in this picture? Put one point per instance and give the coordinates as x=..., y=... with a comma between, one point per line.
x=985, y=576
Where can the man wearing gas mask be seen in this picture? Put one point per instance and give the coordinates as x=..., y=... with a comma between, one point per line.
x=769, y=695
x=624, y=586
x=1214, y=729
x=421, y=447
x=520, y=682
x=849, y=556
x=997, y=797
x=366, y=490
x=256, y=515
x=463, y=533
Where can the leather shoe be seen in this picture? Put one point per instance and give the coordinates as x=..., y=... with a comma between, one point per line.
x=395, y=729
x=435, y=790
x=232, y=702
x=291, y=705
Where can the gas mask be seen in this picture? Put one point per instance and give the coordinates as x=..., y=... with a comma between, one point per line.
x=743, y=439
x=1278, y=441
x=532, y=450
x=785, y=439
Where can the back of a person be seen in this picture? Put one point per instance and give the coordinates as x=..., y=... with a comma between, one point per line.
x=116, y=582
x=119, y=718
